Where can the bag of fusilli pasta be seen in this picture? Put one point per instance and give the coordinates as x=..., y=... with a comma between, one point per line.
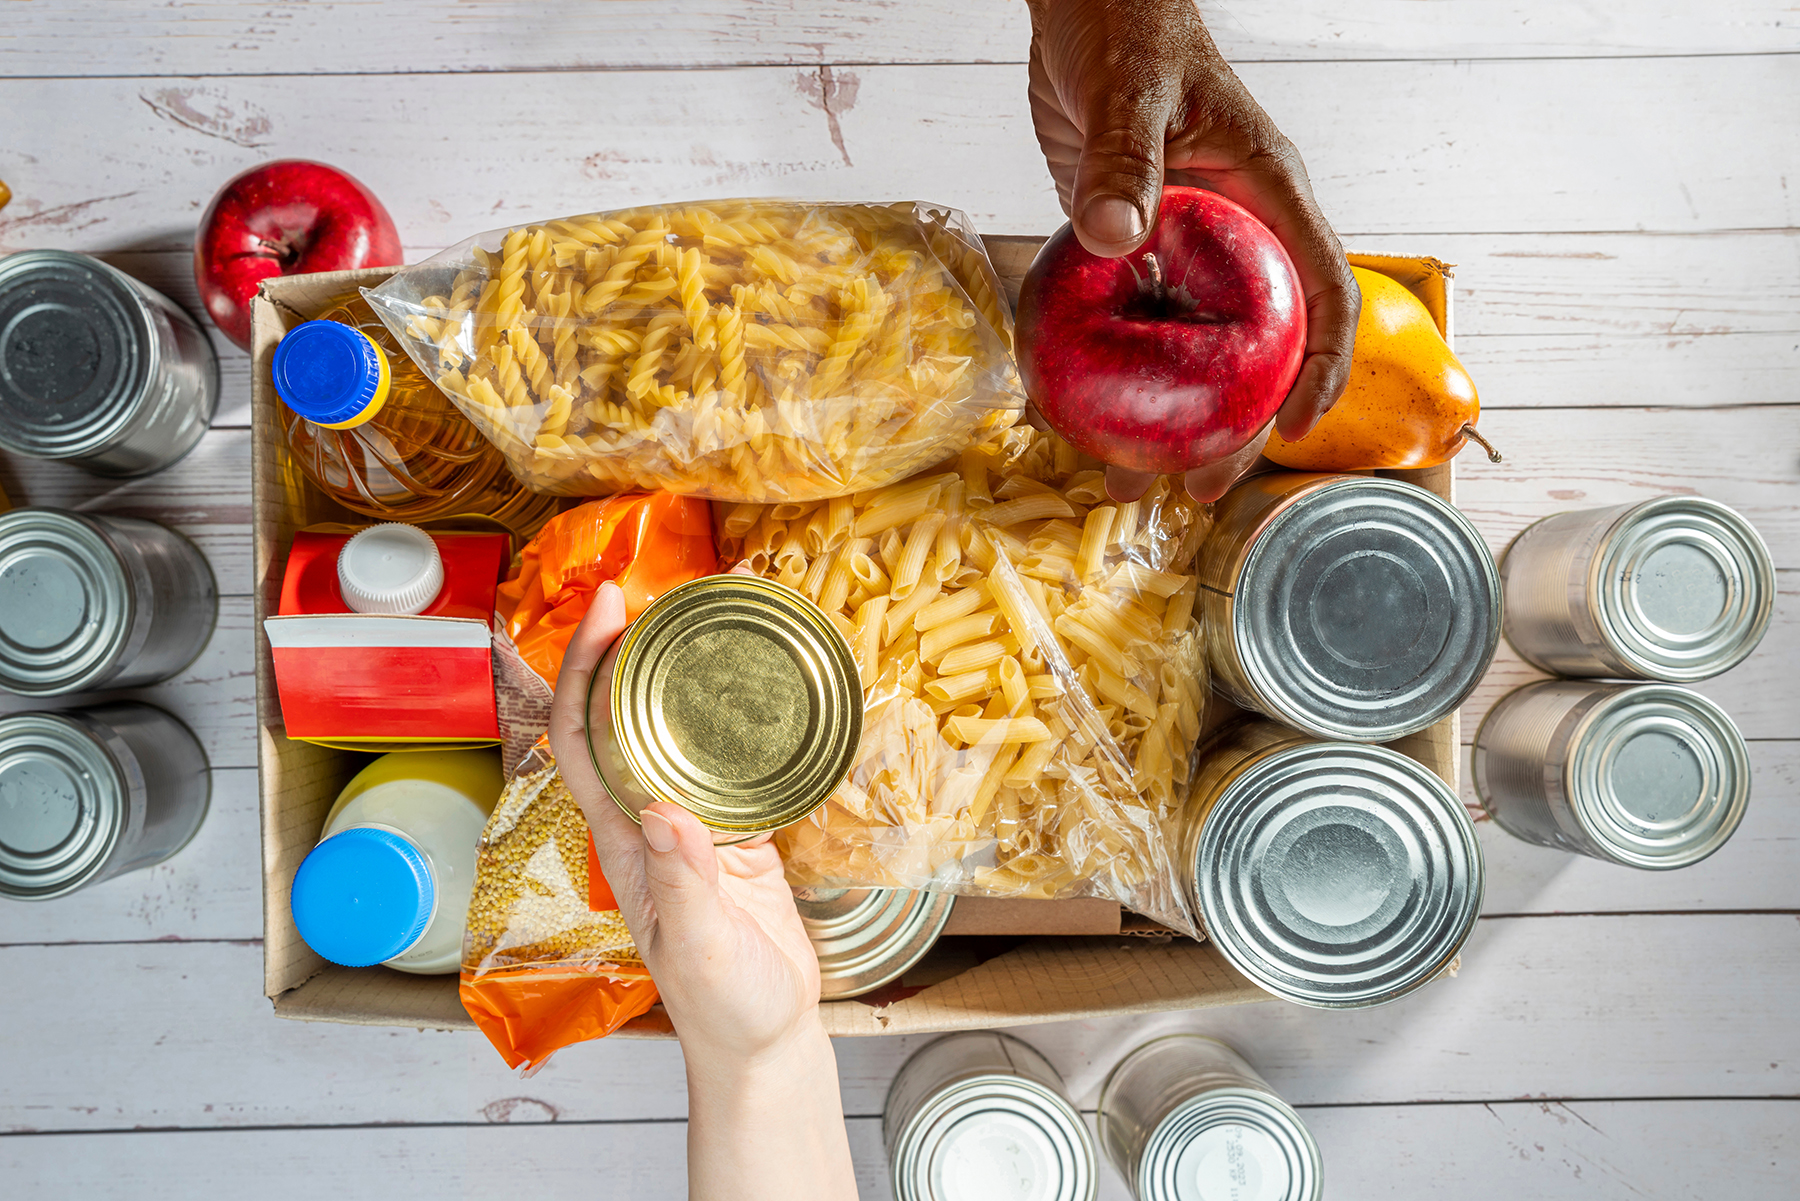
x=743, y=350
x=1032, y=670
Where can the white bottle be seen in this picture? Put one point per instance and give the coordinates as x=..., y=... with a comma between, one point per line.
x=389, y=881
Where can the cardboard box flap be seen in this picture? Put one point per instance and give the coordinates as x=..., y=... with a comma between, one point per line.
x=1059, y=979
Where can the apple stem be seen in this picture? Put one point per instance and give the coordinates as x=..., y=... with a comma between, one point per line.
x=1468, y=431
x=1156, y=276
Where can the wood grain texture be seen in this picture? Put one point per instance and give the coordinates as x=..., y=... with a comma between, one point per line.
x=1544, y=1150
x=217, y=37
x=1644, y=1006
x=1617, y=144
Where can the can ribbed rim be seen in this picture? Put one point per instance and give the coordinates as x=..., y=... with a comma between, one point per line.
x=74, y=780
x=117, y=304
x=700, y=751
x=1698, y=753
x=985, y=1096
x=868, y=937
x=1167, y=1171
x=89, y=633
x=1409, y=552
x=1386, y=879
x=1633, y=601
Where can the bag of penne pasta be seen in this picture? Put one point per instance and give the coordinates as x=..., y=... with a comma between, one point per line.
x=1032, y=670
x=743, y=350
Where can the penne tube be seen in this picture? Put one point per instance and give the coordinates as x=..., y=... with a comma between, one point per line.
x=946, y=609
x=934, y=642
x=996, y=731
x=1041, y=507
x=900, y=616
x=973, y=656
x=919, y=543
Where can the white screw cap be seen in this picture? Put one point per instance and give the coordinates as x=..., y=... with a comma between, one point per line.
x=390, y=568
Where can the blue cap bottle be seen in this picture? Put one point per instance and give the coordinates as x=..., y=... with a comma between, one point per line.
x=364, y=896
x=332, y=374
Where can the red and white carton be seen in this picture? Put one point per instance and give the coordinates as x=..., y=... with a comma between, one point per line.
x=383, y=682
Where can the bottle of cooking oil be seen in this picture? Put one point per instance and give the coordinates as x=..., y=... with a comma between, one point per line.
x=367, y=427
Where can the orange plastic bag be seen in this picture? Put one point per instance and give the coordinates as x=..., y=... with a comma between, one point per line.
x=646, y=542
x=547, y=959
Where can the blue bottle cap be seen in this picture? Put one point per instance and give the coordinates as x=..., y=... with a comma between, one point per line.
x=330, y=373
x=363, y=896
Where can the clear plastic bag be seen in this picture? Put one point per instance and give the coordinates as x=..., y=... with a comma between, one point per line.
x=1032, y=669
x=742, y=350
x=547, y=958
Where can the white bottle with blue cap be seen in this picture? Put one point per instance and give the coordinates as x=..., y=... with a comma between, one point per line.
x=389, y=881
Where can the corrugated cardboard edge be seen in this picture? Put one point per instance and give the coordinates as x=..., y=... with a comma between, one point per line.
x=1046, y=979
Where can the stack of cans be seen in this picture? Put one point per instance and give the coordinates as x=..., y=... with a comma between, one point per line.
x=1346, y=611
x=985, y=1117
x=1644, y=774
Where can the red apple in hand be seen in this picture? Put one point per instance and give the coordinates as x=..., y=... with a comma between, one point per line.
x=288, y=217
x=1173, y=356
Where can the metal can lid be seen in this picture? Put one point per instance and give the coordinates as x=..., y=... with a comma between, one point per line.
x=1367, y=610
x=1230, y=1142
x=77, y=350
x=1338, y=875
x=868, y=937
x=735, y=698
x=65, y=602
x=62, y=805
x=995, y=1137
x=1658, y=775
x=1684, y=588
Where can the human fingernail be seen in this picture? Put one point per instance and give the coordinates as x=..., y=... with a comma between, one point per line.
x=659, y=831
x=1112, y=219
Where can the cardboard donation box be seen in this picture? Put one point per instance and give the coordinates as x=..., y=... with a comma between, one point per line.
x=1000, y=963
x=385, y=681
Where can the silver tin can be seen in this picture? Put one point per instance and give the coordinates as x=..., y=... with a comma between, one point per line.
x=90, y=601
x=1333, y=874
x=97, y=367
x=88, y=794
x=1678, y=588
x=1184, y=1118
x=1346, y=606
x=868, y=937
x=1645, y=775
x=984, y=1117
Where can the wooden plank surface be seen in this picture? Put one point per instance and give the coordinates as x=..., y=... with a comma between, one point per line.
x=1543, y=1150
x=1615, y=144
x=1671, y=996
x=216, y=37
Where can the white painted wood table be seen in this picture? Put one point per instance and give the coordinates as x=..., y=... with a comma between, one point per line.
x=1620, y=185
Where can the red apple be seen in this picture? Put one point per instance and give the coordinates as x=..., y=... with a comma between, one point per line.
x=288, y=217
x=1173, y=356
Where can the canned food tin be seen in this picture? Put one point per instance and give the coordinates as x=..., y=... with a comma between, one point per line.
x=88, y=794
x=1333, y=874
x=1346, y=606
x=1647, y=775
x=1184, y=1118
x=868, y=937
x=1678, y=588
x=97, y=367
x=984, y=1117
x=731, y=696
x=89, y=601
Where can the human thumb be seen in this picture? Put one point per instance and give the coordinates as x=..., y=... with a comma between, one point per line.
x=1118, y=183
x=681, y=871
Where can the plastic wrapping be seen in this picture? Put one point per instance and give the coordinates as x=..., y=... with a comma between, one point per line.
x=547, y=959
x=1032, y=669
x=646, y=543
x=742, y=350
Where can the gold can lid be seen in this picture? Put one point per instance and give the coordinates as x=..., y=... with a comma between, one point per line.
x=737, y=699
